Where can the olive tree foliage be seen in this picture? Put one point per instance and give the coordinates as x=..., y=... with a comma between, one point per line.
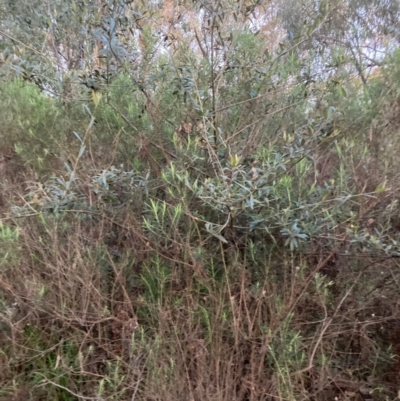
x=40, y=41
x=199, y=86
x=343, y=36
x=56, y=44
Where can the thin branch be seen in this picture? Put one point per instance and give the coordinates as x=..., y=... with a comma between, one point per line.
x=81, y=397
x=200, y=45
x=27, y=46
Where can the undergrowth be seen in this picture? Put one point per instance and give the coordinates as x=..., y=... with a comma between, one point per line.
x=149, y=256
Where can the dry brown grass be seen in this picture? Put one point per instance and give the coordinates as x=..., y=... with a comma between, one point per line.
x=82, y=319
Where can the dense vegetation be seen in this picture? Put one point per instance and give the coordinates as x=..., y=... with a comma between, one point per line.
x=199, y=200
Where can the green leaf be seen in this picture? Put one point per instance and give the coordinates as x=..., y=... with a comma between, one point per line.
x=221, y=238
x=77, y=135
x=380, y=188
x=96, y=97
x=81, y=151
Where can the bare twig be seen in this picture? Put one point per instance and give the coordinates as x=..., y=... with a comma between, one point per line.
x=81, y=397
